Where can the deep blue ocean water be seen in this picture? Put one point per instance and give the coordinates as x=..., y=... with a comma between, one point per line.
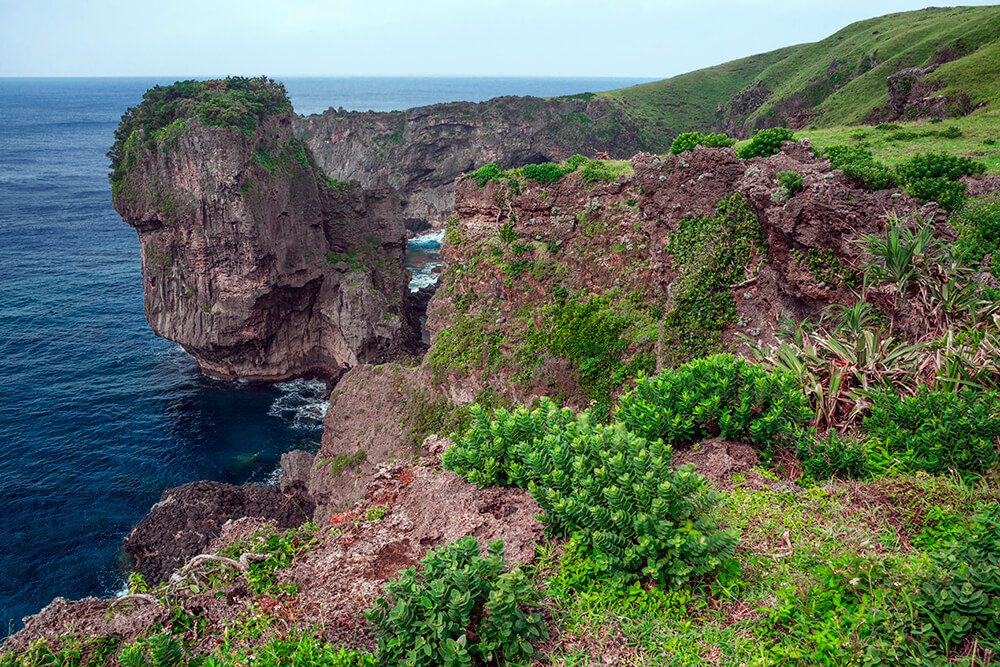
x=97, y=415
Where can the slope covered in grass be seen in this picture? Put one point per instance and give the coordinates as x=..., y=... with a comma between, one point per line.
x=688, y=101
x=843, y=77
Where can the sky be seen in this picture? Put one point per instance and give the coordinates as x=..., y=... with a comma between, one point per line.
x=282, y=38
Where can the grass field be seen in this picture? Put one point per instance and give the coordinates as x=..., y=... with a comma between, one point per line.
x=979, y=138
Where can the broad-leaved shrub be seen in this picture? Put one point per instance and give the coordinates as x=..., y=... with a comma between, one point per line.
x=766, y=142
x=689, y=140
x=457, y=608
x=939, y=430
x=718, y=396
x=860, y=167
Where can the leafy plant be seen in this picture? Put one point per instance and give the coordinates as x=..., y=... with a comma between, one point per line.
x=487, y=453
x=934, y=177
x=457, y=608
x=860, y=167
x=158, y=650
x=978, y=224
x=766, y=142
x=713, y=254
x=722, y=396
x=546, y=172
x=791, y=181
x=686, y=141
x=486, y=173
x=832, y=456
x=937, y=431
x=279, y=547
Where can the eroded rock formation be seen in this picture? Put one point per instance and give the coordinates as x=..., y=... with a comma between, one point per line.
x=255, y=262
x=422, y=151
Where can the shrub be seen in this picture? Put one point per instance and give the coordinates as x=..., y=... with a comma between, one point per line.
x=860, y=167
x=721, y=395
x=938, y=165
x=689, y=140
x=956, y=605
x=978, y=225
x=766, y=142
x=485, y=174
x=790, y=180
x=950, y=195
x=486, y=453
x=546, y=172
x=457, y=608
x=611, y=489
x=936, y=431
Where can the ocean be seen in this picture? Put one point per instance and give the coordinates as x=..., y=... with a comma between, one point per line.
x=97, y=415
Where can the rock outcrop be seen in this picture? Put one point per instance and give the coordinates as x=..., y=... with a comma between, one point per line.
x=514, y=253
x=189, y=517
x=254, y=261
x=422, y=151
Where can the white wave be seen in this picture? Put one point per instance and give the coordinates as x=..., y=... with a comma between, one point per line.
x=300, y=404
x=426, y=240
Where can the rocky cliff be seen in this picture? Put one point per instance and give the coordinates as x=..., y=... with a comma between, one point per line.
x=571, y=287
x=256, y=262
x=422, y=151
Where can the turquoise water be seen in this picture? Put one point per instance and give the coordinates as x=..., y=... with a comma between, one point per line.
x=97, y=415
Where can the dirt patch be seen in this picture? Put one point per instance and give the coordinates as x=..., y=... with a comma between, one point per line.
x=717, y=459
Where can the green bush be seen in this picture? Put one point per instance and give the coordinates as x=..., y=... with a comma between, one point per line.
x=488, y=452
x=611, y=489
x=958, y=604
x=938, y=165
x=860, y=167
x=457, y=608
x=485, y=174
x=790, y=180
x=950, y=195
x=722, y=396
x=978, y=225
x=546, y=172
x=936, y=431
x=689, y=140
x=766, y=142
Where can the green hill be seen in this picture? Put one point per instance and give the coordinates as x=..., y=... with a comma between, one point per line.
x=840, y=80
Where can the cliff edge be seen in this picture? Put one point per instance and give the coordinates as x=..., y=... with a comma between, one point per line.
x=256, y=262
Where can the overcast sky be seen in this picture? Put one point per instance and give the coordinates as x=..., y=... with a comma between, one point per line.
x=191, y=38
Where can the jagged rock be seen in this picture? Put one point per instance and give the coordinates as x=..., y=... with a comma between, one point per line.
x=296, y=469
x=634, y=216
x=423, y=150
x=265, y=273
x=188, y=517
x=901, y=84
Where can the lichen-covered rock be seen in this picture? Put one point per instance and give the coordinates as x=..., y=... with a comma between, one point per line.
x=254, y=261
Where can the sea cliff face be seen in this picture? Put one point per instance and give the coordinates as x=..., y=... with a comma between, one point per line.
x=254, y=261
x=422, y=151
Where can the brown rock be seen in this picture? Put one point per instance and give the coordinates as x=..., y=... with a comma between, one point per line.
x=265, y=274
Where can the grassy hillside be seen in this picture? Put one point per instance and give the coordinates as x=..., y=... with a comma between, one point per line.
x=977, y=136
x=671, y=106
x=835, y=75
x=838, y=81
